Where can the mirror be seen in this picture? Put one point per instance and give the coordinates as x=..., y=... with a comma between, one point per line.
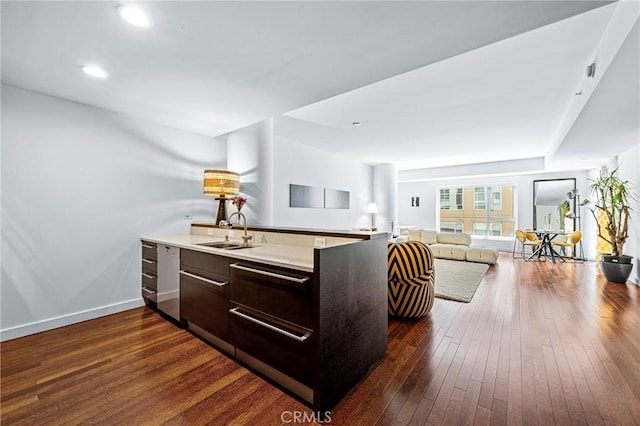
x=317, y=198
x=336, y=199
x=306, y=196
x=552, y=203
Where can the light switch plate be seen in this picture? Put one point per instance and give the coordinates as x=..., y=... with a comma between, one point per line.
x=320, y=242
x=209, y=231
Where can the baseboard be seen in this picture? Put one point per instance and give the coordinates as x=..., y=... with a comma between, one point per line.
x=61, y=321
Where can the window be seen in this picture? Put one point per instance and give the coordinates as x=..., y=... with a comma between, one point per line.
x=496, y=198
x=450, y=227
x=444, y=199
x=479, y=199
x=459, y=199
x=480, y=229
x=446, y=203
x=489, y=210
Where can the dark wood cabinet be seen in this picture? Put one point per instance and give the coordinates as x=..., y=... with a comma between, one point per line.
x=149, y=273
x=315, y=333
x=272, y=317
x=283, y=293
x=283, y=346
x=204, y=295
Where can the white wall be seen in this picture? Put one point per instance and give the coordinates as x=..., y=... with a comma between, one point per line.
x=385, y=194
x=425, y=216
x=629, y=169
x=80, y=186
x=298, y=164
x=250, y=153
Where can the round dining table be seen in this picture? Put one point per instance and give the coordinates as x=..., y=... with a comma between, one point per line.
x=546, y=249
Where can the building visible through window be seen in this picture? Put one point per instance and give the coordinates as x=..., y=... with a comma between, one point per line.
x=451, y=227
x=481, y=210
x=449, y=202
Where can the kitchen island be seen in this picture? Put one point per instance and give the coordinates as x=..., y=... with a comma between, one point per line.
x=304, y=308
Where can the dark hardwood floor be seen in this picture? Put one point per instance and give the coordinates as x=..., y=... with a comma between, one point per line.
x=539, y=344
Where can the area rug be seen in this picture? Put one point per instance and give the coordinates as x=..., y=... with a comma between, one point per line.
x=458, y=280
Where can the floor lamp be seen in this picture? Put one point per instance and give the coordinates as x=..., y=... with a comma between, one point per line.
x=574, y=194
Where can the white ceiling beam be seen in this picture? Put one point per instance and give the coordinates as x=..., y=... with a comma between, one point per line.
x=624, y=17
x=493, y=168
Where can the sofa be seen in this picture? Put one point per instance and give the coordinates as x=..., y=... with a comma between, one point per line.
x=452, y=245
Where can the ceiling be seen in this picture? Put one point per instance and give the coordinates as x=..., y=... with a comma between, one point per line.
x=432, y=83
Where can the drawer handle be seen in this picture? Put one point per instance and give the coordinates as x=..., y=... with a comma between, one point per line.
x=237, y=312
x=148, y=261
x=151, y=277
x=198, y=277
x=270, y=274
x=148, y=291
x=147, y=246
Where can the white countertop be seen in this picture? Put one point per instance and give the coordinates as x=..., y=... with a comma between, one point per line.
x=300, y=258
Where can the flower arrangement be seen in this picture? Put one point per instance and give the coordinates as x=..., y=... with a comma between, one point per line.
x=239, y=201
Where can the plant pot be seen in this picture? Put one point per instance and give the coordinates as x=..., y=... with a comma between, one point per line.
x=617, y=259
x=616, y=269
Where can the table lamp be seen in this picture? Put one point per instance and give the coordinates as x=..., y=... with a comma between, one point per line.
x=372, y=209
x=220, y=184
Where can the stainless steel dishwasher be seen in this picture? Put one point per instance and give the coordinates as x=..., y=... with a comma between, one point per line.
x=169, y=280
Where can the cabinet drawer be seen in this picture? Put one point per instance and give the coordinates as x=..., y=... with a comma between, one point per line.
x=149, y=294
x=150, y=266
x=149, y=280
x=281, y=345
x=149, y=250
x=279, y=292
x=209, y=265
x=205, y=303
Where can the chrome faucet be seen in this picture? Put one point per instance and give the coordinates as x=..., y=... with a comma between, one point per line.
x=246, y=238
x=224, y=224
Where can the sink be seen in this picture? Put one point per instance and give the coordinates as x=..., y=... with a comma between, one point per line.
x=241, y=246
x=226, y=245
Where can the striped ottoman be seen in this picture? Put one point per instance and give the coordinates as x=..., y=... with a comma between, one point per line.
x=411, y=278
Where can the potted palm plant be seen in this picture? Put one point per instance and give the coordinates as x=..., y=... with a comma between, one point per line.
x=613, y=196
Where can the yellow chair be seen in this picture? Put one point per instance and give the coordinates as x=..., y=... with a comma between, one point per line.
x=532, y=237
x=528, y=239
x=570, y=241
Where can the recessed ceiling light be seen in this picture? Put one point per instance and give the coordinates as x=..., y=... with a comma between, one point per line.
x=94, y=71
x=134, y=16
